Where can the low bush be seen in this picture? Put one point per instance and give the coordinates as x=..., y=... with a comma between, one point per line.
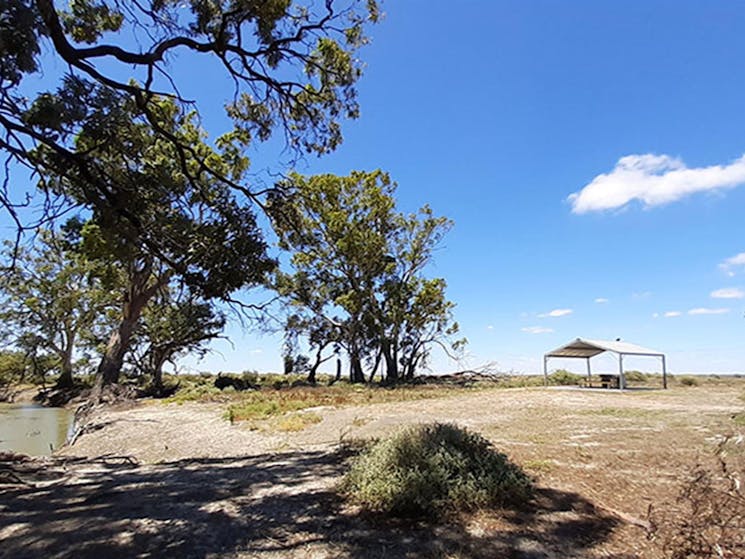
x=434, y=470
x=688, y=381
x=635, y=376
x=707, y=519
x=563, y=377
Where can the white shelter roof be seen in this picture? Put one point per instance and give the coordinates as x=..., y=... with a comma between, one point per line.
x=590, y=348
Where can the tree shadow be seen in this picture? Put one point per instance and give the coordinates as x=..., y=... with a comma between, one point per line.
x=274, y=505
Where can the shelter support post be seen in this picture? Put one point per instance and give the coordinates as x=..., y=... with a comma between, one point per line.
x=621, y=380
x=664, y=373
x=589, y=372
x=545, y=370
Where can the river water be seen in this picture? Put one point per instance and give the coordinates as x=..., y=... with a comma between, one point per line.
x=33, y=430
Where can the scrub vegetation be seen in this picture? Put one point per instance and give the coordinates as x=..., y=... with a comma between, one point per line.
x=433, y=470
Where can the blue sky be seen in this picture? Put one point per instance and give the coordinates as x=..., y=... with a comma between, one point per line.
x=497, y=113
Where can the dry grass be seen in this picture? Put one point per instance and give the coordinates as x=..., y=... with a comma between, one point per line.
x=268, y=402
x=600, y=457
x=297, y=421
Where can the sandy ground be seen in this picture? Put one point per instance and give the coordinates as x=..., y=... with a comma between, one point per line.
x=180, y=480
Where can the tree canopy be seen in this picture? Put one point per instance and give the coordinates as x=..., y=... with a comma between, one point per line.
x=292, y=63
x=118, y=136
x=53, y=302
x=356, y=280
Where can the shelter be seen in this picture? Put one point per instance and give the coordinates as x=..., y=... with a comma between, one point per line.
x=586, y=349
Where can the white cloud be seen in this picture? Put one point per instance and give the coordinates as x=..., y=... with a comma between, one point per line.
x=671, y=314
x=556, y=313
x=601, y=300
x=655, y=315
x=537, y=330
x=728, y=293
x=654, y=180
x=736, y=261
x=641, y=295
x=490, y=327
x=702, y=310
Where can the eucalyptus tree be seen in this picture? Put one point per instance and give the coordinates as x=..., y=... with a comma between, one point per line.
x=207, y=239
x=51, y=301
x=176, y=323
x=356, y=277
x=411, y=311
x=290, y=65
x=118, y=136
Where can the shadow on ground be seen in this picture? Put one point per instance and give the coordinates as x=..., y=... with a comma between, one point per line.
x=280, y=505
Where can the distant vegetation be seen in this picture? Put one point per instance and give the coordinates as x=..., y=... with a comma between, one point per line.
x=562, y=377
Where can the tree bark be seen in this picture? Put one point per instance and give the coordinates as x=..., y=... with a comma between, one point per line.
x=355, y=369
x=375, y=366
x=64, y=352
x=138, y=295
x=158, y=358
x=65, y=379
x=116, y=349
x=391, y=362
x=314, y=369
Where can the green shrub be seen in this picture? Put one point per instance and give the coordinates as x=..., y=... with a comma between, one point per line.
x=12, y=366
x=635, y=376
x=432, y=470
x=688, y=381
x=563, y=377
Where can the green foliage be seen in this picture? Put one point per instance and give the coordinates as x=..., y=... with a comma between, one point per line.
x=356, y=281
x=163, y=202
x=86, y=20
x=19, y=367
x=688, y=380
x=52, y=301
x=192, y=388
x=20, y=28
x=13, y=367
x=432, y=470
x=635, y=376
x=562, y=377
x=174, y=324
x=106, y=92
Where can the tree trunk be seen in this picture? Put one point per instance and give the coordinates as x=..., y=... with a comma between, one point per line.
x=314, y=368
x=158, y=358
x=138, y=294
x=65, y=379
x=355, y=369
x=412, y=365
x=312, y=373
x=391, y=362
x=116, y=349
x=111, y=363
x=375, y=366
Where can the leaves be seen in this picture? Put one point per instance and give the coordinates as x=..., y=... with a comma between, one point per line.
x=357, y=268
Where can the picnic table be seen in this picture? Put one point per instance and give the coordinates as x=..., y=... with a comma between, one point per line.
x=610, y=381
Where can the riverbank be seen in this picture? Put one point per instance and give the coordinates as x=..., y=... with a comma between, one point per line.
x=149, y=478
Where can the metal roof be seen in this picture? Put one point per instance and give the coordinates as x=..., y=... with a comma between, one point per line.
x=590, y=348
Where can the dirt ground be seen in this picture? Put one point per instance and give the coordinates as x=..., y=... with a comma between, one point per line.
x=181, y=481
